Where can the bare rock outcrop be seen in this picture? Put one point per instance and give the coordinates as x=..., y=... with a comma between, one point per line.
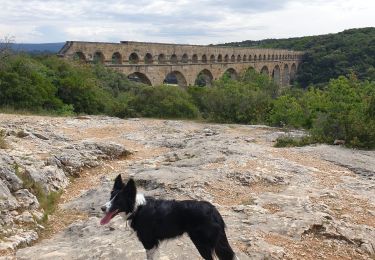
x=39, y=158
x=313, y=202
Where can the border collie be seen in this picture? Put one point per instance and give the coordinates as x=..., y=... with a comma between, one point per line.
x=155, y=220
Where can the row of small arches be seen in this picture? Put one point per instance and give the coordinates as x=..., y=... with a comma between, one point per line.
x=134, y=58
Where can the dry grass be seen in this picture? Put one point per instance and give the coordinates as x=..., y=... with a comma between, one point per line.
x=272, y=208
x=3, y=142
x=312, y=248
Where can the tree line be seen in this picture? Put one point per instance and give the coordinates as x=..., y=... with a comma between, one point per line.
x=328, y=56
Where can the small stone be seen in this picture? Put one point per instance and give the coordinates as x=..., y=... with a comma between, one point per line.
x=339, y=142
x=22, y=134
x=83, y=117
x=25, y=217
x=40, y=136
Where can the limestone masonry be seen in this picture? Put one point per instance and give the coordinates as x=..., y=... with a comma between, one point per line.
x=152, y=63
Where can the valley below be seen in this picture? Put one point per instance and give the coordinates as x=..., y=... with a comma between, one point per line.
x=312, y=202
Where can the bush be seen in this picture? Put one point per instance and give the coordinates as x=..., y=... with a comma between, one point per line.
x=344, y=109
x=246, y=100
x=24, y=85
x=66, y=110
x=3, y=143
x=348, y=114
x=287, y=111
x=47, y=201
x=289, y=141
x=163, y=102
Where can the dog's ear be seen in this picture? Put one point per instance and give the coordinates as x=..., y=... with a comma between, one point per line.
x=131, y=189
x=118, y=183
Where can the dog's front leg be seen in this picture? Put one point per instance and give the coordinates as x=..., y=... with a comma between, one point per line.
x=150, y=253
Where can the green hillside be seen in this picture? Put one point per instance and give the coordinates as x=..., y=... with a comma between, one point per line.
x=328, y=56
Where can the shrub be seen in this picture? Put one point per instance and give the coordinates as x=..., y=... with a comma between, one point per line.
x=3, y=143
x=348, y=114
x=24, y=85
x=47, y=201
x=246, y=100
x=289, y=141
x=163, y=101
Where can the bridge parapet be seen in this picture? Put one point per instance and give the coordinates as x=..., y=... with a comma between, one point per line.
x=152, y=63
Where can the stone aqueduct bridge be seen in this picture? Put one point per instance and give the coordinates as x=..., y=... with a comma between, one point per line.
x=153, y=63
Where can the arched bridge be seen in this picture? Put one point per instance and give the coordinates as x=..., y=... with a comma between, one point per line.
x=157, y=63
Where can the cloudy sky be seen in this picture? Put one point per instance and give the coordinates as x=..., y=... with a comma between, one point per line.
x=178, y=21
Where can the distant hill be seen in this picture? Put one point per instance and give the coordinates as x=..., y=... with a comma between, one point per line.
x=328, y=56
x=38, y=47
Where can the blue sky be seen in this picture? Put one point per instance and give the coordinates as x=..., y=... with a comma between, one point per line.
x=178, y=21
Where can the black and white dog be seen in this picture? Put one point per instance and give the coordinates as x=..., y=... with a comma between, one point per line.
x=155, y=220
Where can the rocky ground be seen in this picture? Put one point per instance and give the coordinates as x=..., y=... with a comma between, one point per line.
x=315, y=202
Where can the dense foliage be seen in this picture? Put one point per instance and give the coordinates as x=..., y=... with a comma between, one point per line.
x=328, y=56
x=246, y=100
x=342, y=109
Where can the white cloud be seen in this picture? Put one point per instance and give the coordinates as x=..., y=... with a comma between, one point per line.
x=181, y=21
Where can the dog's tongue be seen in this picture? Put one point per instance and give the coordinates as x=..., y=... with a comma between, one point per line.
x=107, y=217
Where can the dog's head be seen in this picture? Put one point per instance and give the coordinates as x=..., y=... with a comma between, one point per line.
x=122, y=200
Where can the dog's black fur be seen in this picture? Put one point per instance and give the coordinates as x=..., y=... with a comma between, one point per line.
x=156, y=220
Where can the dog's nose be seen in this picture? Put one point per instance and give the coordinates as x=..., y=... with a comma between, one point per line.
x=104, y=208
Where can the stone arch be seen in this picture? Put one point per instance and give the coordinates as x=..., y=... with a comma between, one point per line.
x=273, y=56
x=98, y=57
x=185, y=58
x=204, y=78
x=162, y=59
x=260, y=57
x=293, y=72
x=233, y=58
x=148, y=58
x=226, y=58
x=139, y=77
x=265, y=71
x=194, y=59
x=232, y=73
x=175, y=78
x=239, y=58
x=133, y=58
x=276, y=74
x=116, y=58
x=244, y=59
x=250, y=58
x=212, y=58
x=79, y=56
x=269, y=56
x=220, y=58
x=173, y=59
x=250, y=68
x=285, y=78
x=204, y=58
x=255, y=57
x=264, y=57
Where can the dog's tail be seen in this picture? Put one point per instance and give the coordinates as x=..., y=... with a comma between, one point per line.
x=222, y=248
